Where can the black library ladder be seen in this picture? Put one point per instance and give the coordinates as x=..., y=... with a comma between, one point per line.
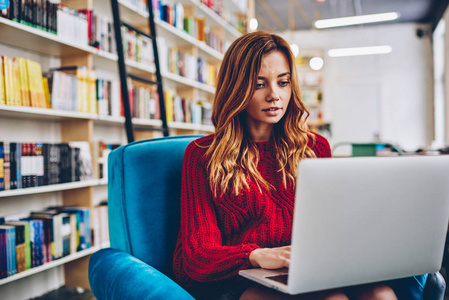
x=124, y=75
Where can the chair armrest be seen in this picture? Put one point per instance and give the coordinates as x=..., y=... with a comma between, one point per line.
x=435, y=287
x=114, y=274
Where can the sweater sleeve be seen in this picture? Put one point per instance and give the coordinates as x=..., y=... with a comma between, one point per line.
x=204, y=257
x=321, y=146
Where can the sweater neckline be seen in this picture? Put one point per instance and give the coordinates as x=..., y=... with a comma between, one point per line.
x=265, y=145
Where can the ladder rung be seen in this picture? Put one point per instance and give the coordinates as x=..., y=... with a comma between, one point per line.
x=143, y=79
x=146, y=128
x=137, y=30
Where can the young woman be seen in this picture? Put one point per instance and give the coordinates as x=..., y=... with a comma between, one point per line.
x=238, y=184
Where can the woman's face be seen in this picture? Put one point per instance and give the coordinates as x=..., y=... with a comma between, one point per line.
x=272, y=95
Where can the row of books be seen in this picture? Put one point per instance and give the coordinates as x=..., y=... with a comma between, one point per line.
x=137, y=47
x=194, y=26
x=77, y=88
x=143, y=100
x=184, y=110
x=41, y=14
x=21, y=83
x=48, y=235
x=73, y=88
x=72, y=25
x=83, y=27
x=100, y=31
x=24, y=165
x=191, y=67
x=236, y=20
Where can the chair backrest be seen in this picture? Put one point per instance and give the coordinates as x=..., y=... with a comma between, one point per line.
x=144, y=185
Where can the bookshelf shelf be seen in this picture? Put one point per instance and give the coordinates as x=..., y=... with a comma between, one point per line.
x=147, y=122
x=190, y=126
x=41, y=113
x=214, y=18
x=189, y=82
x=39, y=41
x=130, y=13
x=184, y=38
x=52, y=264
x=141, y=67
x=49, y=188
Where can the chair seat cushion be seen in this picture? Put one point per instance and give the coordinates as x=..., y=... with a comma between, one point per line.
x=114, y=274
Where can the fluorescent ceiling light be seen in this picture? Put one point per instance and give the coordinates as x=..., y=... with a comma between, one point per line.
x=338, y=22
x=359, y=51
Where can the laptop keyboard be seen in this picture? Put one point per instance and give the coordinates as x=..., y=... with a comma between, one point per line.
x=283, y=278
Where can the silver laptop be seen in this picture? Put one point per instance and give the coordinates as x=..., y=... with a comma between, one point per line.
x=361, y=220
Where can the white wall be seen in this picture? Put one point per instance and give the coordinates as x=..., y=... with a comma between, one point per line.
x=390, y=94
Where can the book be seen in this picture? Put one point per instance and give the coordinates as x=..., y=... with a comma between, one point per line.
x=7, y=165
x=26, y=241
x=83, y=169
x=3, y=254
x=83, y=225
x=2, y=83
x=8, y=71
x=11, y=248
x=2, y=168
x=35, y=84
x=20, y=246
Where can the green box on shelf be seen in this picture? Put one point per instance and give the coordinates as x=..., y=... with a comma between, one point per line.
x=366, y=149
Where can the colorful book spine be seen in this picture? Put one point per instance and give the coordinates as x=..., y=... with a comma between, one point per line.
x=7, y=165
x=2, y=82
x=2, y=167
x=3, y=254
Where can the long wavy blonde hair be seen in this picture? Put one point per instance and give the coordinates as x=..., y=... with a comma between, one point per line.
x=232, y=156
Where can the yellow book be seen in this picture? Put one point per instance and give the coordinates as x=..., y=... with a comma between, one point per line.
x=16, y=83
x=8, y=79
x=24, y=86
x=169, y=105
x=92, y=91
x=83, y=105
x=46, y=92
x=35, y=82
x=2, y=82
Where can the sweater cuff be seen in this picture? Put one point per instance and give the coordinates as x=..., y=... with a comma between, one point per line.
x=250, y=248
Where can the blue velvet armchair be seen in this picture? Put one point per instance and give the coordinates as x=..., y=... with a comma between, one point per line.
x=144, y=195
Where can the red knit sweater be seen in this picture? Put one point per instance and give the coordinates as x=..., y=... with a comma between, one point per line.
x=218, y=234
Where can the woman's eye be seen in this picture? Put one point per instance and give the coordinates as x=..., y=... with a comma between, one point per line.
x=284, y=83
x=259, y=85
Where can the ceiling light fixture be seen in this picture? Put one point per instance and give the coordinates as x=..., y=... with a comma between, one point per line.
x=359, y=51
x=355, y=20
x=253, y=24
x=295, y=49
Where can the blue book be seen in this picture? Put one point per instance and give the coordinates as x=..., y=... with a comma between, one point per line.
x=36, y=241
x=11, y=265
x=2, y=169
x=83, y=224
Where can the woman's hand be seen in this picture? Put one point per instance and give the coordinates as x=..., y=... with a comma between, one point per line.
x=271, y=258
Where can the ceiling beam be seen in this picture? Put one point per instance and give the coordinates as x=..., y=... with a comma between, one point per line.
x=263, y=22
x=303, y=14
x=271, y=14
x=291, y=15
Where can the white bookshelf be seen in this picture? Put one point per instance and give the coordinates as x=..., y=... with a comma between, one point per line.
x=60, y=125
x=41, y=113
x=190, y=126
x=52, y=264
x=51, y=188
x=215, y=19
x=188, y=82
